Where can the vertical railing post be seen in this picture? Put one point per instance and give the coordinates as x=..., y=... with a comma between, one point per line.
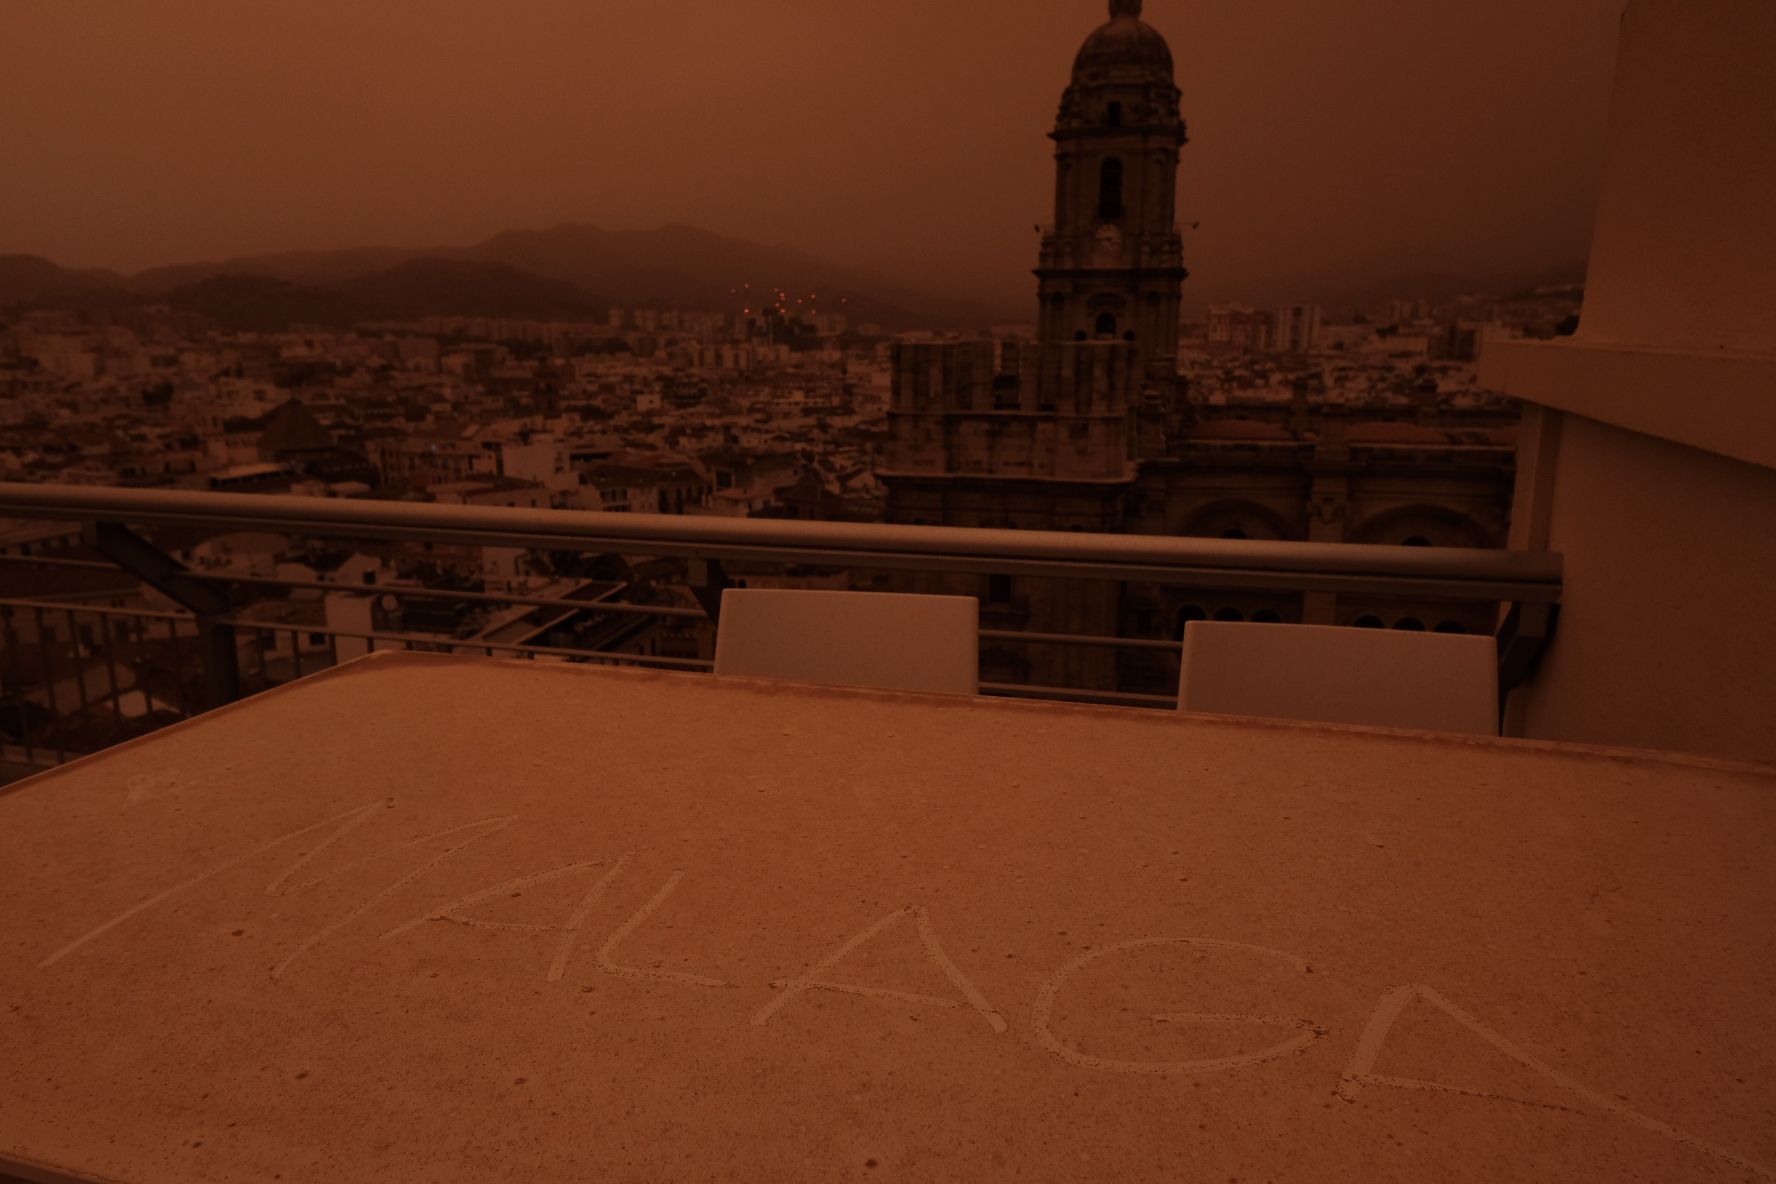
x=217, y=651
x=209, y=604
x=709, y=579
x=1523, y=639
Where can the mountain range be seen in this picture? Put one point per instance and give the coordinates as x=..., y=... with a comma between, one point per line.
x=579, y=272
x=565, y=272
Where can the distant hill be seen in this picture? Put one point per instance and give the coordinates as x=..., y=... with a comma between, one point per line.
x=456, y=287
x=314, y=268
x=687, y=267
x=26, y=278
x=579, y=270
x=263, y=304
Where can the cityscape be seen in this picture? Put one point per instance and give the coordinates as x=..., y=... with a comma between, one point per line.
x=1358, y=424
x=770, y=412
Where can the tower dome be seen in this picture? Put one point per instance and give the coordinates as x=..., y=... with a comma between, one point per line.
x=1126, y=49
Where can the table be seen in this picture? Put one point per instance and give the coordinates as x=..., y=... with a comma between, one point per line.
x=426, y=918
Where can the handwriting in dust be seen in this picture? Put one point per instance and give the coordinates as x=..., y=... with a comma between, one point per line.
x=571, y=937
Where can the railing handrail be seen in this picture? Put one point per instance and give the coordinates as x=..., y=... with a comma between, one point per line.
x=1469, y=573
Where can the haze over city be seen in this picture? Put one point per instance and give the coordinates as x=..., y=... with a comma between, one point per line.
x=1334, y=147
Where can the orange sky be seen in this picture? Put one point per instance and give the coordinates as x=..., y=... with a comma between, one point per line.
x=1334, y=141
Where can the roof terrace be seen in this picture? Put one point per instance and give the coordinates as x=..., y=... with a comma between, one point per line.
x=421, y=916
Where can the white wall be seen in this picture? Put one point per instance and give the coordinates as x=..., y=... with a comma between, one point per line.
x=1685, y=239
x=1656, y=472
x=1667, y=638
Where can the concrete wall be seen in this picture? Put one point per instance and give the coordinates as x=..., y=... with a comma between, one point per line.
x=1649, y=456
x=1667, y=638
x=1684, y=241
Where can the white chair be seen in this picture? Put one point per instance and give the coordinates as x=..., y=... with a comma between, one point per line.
x=883, y=640
x=1434, y=682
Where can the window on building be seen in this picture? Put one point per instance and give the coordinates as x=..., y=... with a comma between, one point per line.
x=1107, y=325
x=1417, y=540
x=1265, y=616
x=1410, y=625
x=1230, y=614
x=1110, y=190
x=1079, y=336
x=1113, y=115
x=1369, y=623
x=1189, y=613
x=1235, y=533
x=1450, y=627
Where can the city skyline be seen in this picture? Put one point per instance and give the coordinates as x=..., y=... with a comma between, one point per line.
x=1328, y=148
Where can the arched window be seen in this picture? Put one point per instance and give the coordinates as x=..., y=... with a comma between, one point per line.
x=1230, y=614
x=1113, y=115
x=1417, y=540
x=1410, y=625
x=1106, y=325
x=1110, y=190
x=1450, y=627
x=1368, y=623
x=1079, y=336
x=1266, y=616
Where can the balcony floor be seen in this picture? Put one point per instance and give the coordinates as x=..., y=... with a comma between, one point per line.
x=421, y=918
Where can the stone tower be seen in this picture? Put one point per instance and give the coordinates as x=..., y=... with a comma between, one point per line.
x=1113, y=262
x=1096, y=397
x=1056, y=435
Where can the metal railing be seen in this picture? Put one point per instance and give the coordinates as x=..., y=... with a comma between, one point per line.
x=193, y=654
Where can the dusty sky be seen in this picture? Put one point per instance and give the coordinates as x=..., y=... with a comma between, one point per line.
x=1333, y=140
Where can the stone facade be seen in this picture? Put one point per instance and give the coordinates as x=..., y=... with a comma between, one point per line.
x=1092, y=429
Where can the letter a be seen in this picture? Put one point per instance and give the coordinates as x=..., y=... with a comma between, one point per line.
x=1388, y=1011
x=812, y=981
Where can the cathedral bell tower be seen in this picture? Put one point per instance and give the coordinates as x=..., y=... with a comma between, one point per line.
x=1071, y=432
x=1112, y=264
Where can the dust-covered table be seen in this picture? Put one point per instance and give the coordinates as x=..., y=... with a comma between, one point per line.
x=441, y=919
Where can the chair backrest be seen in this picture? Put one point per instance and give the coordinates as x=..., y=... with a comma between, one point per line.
x=1436, y=682
x=884, y=640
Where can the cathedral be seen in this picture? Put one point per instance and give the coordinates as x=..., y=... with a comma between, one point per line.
x=1091, y=427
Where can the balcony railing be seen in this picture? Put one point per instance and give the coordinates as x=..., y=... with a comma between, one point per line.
x=151, y=666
